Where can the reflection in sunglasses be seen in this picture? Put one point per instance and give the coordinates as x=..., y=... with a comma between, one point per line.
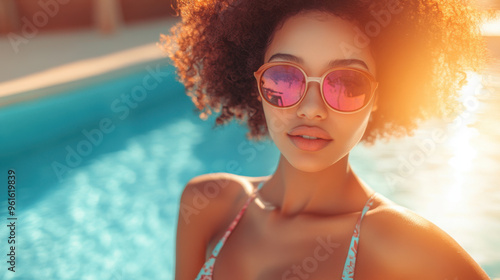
x=273, y=96
x=343, y=89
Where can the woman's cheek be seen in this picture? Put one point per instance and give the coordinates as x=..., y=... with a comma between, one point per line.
x=278, y=120
x=354, y=127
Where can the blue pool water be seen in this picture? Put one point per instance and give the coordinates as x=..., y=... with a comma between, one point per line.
x=100, y=167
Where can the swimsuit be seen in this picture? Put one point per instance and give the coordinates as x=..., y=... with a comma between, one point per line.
x=207, y=269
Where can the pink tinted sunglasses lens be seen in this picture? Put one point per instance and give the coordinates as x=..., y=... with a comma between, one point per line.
x=282, y=85
x=346, y=90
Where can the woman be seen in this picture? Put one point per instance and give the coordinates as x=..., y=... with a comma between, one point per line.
x=318, y=77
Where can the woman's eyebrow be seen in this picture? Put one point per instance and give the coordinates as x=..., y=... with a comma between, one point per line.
x=286, y=56
x=333, y=63
x=346, y=62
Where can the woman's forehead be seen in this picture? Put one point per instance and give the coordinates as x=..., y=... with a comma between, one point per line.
x=317, y=38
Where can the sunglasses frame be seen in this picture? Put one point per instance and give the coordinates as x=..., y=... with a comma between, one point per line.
x=258, y=75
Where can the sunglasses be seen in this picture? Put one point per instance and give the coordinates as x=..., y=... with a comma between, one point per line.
x=344, y=89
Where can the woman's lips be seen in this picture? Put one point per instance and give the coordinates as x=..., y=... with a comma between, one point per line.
x=313, y=131
x=310, y=145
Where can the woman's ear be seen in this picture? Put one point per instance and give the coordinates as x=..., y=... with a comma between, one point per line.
x=258, y=98
x=375, y=102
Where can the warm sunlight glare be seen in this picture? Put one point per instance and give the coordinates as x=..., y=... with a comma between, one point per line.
x=460, y=141
x=492, y=28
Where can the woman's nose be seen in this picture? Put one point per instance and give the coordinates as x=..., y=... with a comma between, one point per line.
x=312, y=106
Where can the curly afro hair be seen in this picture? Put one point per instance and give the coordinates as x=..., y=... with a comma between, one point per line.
x=422, y=49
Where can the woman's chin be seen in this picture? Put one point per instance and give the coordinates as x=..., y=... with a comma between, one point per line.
x=309, y=164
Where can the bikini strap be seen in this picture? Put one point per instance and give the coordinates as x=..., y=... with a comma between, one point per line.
x=218, y=247
x=350, y=261
x=260, y=185
x=368, y=204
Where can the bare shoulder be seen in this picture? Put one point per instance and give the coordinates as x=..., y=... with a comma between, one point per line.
x=207, y=202
x=207, y=197
x=406, y=245
x=209, y=194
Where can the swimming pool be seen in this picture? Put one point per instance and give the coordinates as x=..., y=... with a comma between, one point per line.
x=100, y=167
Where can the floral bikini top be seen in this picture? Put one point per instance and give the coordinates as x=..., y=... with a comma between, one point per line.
x=350, y=262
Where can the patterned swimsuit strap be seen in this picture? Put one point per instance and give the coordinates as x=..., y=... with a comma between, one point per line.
x=350, y=262
x=235, y=221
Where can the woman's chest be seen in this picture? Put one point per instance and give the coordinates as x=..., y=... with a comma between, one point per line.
x=260, y=248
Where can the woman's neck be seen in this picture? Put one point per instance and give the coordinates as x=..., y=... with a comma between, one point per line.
x=332, y=190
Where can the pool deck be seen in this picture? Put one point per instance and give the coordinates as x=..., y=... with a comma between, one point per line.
x=50, y=59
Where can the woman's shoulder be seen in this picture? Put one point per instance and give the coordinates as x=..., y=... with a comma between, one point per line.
x=219, y=186
x=406, y=242
x=208, y=198
x=205, y=204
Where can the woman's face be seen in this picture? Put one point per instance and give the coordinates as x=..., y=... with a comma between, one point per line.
x=313, y=40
